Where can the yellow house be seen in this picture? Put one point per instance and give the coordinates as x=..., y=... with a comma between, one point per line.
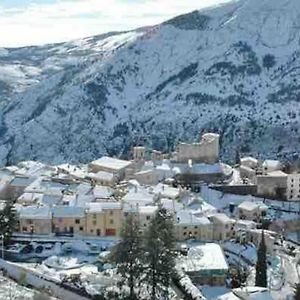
x=189, y=226
x=35, y=220
x=68, y=220
x=104, y=219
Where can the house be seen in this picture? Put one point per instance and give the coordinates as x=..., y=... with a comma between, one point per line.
x=194, y=174
x=272, y=184
x=103, y=178
x=35, y=220
x=68, y=220
x=166, y=191
x=207, y=150
x=138, y=196
x=146, y=214
x=223, y=226
x=249, y=162
x=104, y=219
x=247, y=172
x=17, y=187
x=111, y=165
x=252, y=211
x=189, y=226
x=102, y=193
x=293, y=187
x=147, y=177
x=205, y=264
x=164, y=171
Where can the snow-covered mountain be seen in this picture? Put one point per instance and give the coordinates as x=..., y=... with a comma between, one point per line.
x=232, y=68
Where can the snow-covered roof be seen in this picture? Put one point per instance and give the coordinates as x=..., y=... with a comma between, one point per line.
x=208, y=256
x=147, y=210
x=250, y=206
x=171, y=205
x=95, y=207
x=144, y=172
x=102, y=192
x=21, y=181
x=271, y=163
x=222, y=218
x=30, y=197
x=102, y=175
x=249, y=159
x=163, y=167
x=111, y=163
x=138, y=196
x=35, y=212
x=166, y=191
x=50, y=200
x=186, y=217
x=68, y=212
x=277, y=173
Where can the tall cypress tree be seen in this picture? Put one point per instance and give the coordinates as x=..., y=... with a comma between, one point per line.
x=160, y=254
x=261, y=264
x=128, y=254
x=8, y=221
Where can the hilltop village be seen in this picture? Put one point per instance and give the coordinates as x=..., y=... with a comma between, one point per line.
x=216, y=206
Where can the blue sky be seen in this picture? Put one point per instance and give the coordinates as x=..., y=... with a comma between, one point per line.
x=36, y=22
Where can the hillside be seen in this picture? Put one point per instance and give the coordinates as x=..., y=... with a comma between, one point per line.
x=232, y=68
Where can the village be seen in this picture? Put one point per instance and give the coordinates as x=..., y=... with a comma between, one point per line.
x=70, y=216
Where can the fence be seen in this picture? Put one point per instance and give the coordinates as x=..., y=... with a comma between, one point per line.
x=40, y=282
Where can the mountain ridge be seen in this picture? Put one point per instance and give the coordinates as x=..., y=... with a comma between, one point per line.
x=232, y=69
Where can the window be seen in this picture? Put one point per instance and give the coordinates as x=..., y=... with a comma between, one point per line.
x=196, y=227
x=148, y=218
x=94, y=222
x=195, y=233
x=29, y=222
x=125, y=214
x=184, y=233
x=94, y=216
x=77, y=221
x=81, y=228
x=92, y=230
x=111, y=221
x=145, y=225
x=24, y=228
x=111, y=212
x=185, y=227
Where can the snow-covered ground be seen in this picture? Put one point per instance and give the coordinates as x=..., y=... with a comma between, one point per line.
x=10, y=290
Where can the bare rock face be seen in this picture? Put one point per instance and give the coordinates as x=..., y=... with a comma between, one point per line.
x=231, y=69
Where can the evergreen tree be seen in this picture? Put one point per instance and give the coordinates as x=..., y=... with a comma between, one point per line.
x=297, y=292
x=8, y=221
x=128, y=253
x=160, y=254
x=261, y=264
